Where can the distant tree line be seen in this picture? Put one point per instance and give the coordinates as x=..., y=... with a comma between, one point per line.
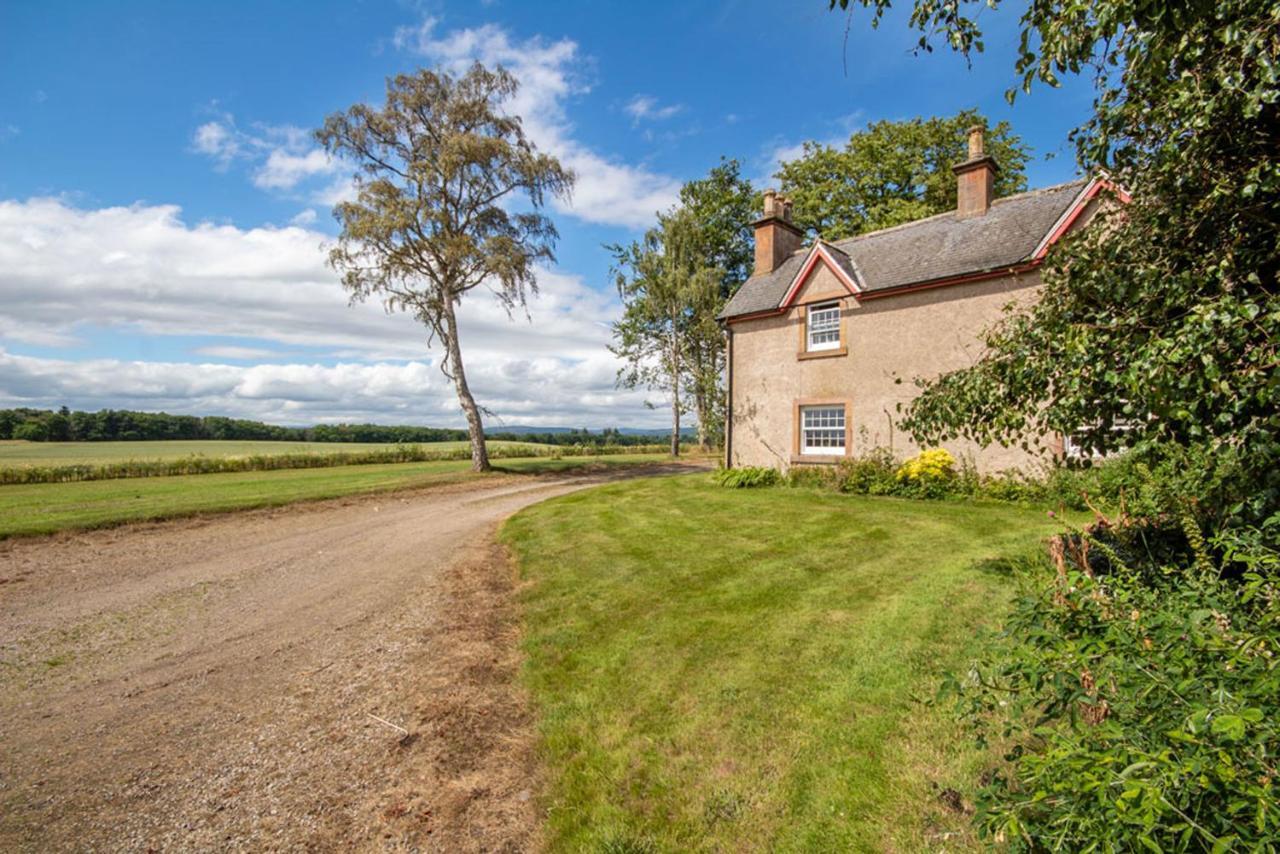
x=120, y=425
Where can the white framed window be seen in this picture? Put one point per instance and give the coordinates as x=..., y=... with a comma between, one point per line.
x=823, y=326
x=822, y=429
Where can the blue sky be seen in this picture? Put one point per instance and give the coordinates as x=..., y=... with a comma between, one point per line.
x=162, y=209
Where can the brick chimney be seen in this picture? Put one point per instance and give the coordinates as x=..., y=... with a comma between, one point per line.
x=776, y=237
x=976, y=178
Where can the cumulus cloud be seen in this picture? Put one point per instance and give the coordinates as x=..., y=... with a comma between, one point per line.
x=283, y=170
x=543, y=391
x=608, y=191
x=280, y=157
x=66, y=271
x=646, y=108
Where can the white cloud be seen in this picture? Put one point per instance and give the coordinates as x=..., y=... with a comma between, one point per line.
x=282, y=157
x=65, y=271
x=543, y=391
x=607, y=191
x=304, y=217
x=646, y=108
x=8, y=132
x=284, y=170
x=242, y=354
x=217, y=140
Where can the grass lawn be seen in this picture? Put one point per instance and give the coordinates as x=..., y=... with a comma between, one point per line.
x=744, y=670
x=20, y=453
x=44, y=508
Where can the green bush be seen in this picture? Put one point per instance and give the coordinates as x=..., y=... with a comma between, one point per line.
x=873, y=474
x=1138, y=695
x=746, y=477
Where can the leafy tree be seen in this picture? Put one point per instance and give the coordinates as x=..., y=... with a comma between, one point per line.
x=893, y=172
x=1165, y=320
x=31, y=431
x=441, y=167
x=1159, y=329
x=57, y=426
x=722, y=205
x=720, y=208
x=665, y=288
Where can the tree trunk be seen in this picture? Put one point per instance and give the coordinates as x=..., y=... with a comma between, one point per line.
x=675, y=393
x=475, y=427
x=700, y=404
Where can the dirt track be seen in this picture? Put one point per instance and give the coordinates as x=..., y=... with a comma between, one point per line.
x=213, y=683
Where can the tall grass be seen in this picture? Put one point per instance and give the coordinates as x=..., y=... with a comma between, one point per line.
x=200, y=464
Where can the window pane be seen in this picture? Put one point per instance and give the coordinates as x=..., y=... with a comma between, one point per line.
x=824, y=326
x=822, y=429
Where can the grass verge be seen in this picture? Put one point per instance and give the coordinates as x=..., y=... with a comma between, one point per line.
x=736, y=670
x=46, y=508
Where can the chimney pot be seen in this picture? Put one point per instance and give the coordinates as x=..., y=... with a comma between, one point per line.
x=770, y=203
x=975, y=142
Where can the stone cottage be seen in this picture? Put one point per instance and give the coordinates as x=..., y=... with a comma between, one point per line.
x=825, y=340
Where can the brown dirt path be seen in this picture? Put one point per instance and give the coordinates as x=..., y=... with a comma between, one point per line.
x=217, y=683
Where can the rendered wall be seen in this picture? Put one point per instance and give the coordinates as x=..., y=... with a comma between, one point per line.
x=920, y=334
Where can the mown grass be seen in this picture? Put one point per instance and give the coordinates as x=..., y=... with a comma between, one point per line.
x=15, y=452
x=45, y=508
x=738, y=670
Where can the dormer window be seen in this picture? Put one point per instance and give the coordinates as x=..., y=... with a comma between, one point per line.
x=822, y=327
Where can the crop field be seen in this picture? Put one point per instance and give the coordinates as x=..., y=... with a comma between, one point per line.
x=45, y=508
x=15, y=453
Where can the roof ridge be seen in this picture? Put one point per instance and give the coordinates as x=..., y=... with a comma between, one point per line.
x=1062, y=185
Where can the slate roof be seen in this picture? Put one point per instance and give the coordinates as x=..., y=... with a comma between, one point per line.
x=938, y=247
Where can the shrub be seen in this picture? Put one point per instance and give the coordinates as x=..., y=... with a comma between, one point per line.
x=872, y=474
x=929, y=473
x=1138, y=693
x=747, y=477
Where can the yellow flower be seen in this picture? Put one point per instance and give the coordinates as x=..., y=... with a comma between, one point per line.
x=933, y=464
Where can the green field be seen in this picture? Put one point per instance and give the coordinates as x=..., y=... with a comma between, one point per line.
x=751, y=670
x=19, y=453
x=45, y=508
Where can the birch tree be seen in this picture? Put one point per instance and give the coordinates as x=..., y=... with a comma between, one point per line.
x=662, y=283
x=442, y=173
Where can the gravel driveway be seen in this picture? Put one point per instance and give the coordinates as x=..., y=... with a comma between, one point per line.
x=341, y=674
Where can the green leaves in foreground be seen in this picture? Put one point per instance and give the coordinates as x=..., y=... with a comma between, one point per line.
x=1139, y=709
